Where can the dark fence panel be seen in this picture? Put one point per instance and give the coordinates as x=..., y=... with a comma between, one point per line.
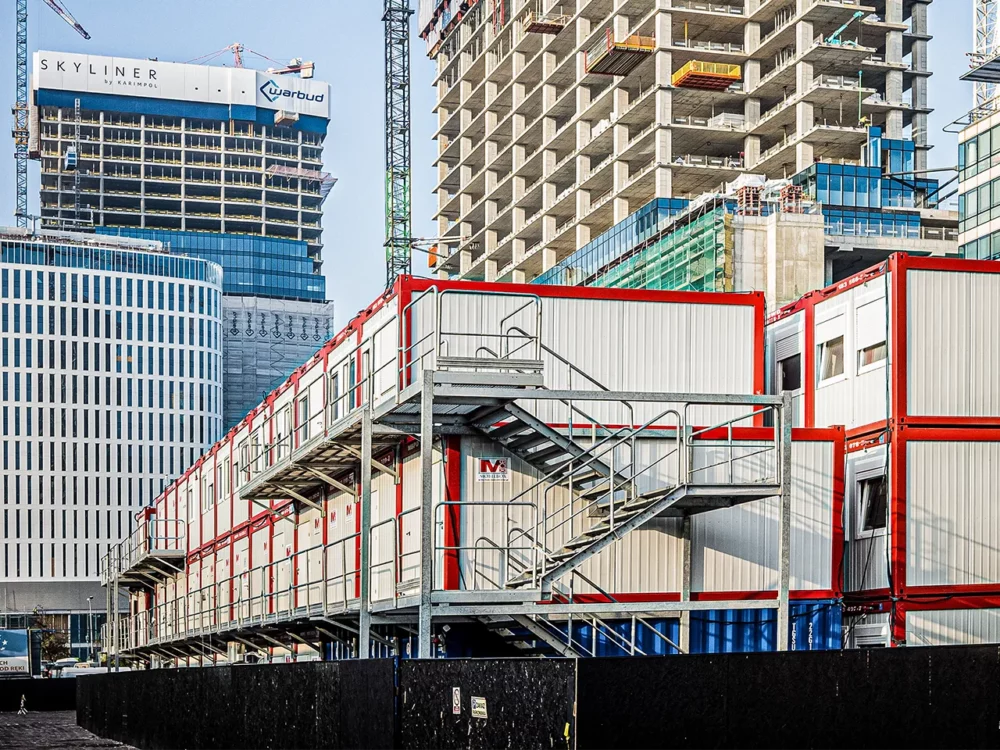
x=330, y=704
x=41, y=695
x=528, y=703
x=916, y=697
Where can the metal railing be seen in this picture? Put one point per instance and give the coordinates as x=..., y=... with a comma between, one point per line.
x=353, y=383
x=151, y=535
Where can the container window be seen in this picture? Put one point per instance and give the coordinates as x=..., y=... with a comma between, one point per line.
x=831, y=358
x=873, y=498
x=790, y=373
x=872, y=355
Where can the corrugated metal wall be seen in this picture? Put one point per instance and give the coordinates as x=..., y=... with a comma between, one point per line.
x=639, y=346
x=953, y=513
x=737, y=549
x=814, y=626
x=732, y=550
x=954, y=343
x=951, y=627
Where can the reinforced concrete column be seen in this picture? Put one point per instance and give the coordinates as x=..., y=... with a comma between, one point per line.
x=464, y=261
x=364, y=605
x=663, y=178
x=517, y=276
x=490, y=272
x=517, y=250
x=548, y=258
x=582, y=235
x=424, y=631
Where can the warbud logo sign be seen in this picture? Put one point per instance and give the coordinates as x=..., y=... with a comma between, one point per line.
x=273, y=92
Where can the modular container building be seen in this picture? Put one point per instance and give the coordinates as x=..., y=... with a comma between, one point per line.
x=252, y=547
x=905, y=355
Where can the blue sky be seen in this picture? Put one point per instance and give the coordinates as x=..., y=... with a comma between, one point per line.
x=344, y=39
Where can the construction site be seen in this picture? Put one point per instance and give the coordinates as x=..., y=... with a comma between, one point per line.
x=699, y=375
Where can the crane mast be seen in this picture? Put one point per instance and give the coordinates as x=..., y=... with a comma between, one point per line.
x=986, y=46
x=398, y=224
x=20, y=112
x=20, y=109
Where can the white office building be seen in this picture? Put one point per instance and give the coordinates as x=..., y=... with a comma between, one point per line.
x=111, y=377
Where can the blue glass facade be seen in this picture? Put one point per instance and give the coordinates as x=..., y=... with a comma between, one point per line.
x=855, y=197
x=253, y=265
x=104, y=259
x=615, y=242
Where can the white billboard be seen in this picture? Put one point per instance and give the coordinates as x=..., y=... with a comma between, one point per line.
x=14, y=652
x=122, y=76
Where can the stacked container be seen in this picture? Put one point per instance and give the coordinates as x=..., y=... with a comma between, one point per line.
x=906, y=356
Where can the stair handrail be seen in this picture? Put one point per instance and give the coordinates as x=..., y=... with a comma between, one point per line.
x=574, y=368
x=630, y=434
x=730, y=445
x=638, y=619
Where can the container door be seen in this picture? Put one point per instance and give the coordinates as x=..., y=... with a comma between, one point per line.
x=241, y=578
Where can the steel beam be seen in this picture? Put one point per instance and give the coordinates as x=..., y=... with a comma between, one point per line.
x=371, y=462
x=447, y=393
x=364, y=616
x=785, y=521
x=332, y=482
x=603, y=608
x=426, y=514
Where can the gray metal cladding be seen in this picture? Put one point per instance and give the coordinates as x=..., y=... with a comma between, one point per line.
x=952, y=627
x=953, y=336
x=953, y=513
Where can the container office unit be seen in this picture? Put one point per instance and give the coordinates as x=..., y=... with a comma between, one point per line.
x=905, y=356
x=576, y=438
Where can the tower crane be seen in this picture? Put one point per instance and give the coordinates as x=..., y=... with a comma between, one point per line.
x=986, y=46
x=398, y=222
x=20, y=108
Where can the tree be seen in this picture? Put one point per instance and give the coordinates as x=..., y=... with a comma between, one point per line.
x=55, y=644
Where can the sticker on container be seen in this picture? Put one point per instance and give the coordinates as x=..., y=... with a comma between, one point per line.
x=456, y=700
x=493, y=470
x=478, y=708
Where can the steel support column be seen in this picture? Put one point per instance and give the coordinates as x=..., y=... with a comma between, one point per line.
x=685, y=624
x=365, y=615
x=785, y=520
x=426, y=513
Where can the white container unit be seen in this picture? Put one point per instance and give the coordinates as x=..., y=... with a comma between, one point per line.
x=912, y=341
x=631, y=340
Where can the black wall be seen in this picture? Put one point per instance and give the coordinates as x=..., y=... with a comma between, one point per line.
x=529, y=703
x=41, y=695
x=330, y=704
x=915, y=697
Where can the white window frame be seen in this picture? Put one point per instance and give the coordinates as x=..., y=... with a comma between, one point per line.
x=842, y=375
x=860, y=506
x=878, y=364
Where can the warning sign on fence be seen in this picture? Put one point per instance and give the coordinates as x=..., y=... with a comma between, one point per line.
x=493, y=470
x=479, y=708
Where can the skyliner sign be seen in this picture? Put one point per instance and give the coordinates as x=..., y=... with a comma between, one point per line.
x=96, y=74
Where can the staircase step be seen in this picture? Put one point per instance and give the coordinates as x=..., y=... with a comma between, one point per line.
x=547, y=454
x=527, y=442
x=489, y=415
x=508, y=430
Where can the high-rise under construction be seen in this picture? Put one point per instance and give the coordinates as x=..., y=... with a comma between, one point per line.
x=558, y=120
